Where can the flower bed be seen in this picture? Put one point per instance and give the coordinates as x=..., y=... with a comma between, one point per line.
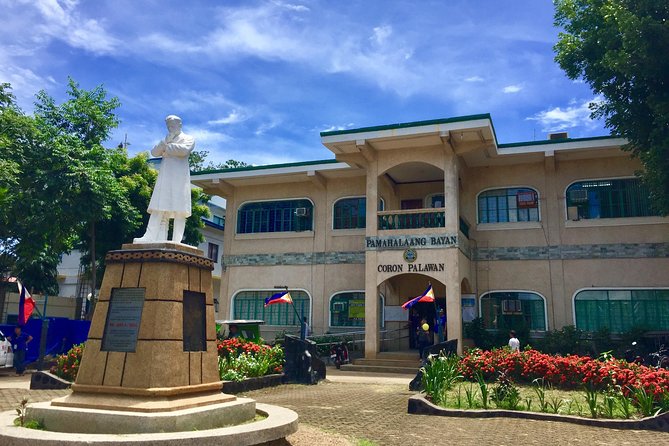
x=569, y=372
x=67, y=364
x=239, y=359
x=578, y=385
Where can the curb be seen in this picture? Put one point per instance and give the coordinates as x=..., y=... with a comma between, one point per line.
x=419, y=405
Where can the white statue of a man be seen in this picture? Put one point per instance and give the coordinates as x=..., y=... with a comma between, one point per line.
x=171, y=194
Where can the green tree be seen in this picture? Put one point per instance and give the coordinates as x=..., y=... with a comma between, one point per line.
x=620, y=48
x=198, y=162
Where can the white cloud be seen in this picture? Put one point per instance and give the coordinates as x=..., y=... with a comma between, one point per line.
x=381, y=34
x=204, y=137
x=558, y=118
x=62, y=21
x=234, y=117
x=331, y=128
x=292, y=7
x=509, y=89
x=474, y=79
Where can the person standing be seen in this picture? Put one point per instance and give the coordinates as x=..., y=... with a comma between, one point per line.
x=20, y=342
x=424, y=336
x=514, y=343
x=305, y=330
x=441, y=325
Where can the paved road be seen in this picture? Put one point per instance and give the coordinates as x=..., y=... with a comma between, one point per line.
x=375, y=408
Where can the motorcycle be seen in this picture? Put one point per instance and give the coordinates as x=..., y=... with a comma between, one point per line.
x=339, y=354
x=658, y=359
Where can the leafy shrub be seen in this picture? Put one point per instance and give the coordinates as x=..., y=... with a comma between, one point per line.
x=67, y=364
x=439, y=375
x=239, y=359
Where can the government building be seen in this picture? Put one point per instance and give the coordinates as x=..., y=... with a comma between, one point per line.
x=528, y=236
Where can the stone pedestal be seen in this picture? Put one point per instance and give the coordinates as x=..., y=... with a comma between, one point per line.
x=152, y=342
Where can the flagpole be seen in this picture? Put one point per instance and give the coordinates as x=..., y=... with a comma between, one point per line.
x=303, y=333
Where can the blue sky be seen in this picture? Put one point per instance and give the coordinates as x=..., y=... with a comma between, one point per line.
x=257, y=80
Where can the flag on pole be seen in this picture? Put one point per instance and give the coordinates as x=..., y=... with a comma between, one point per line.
x=279, y=298
x=427, y=296
x=26, y=302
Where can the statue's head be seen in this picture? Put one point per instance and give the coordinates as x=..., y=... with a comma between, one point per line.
x=173, y=123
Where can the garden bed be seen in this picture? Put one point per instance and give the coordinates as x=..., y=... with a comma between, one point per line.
x=420, y=405
x=248, y=384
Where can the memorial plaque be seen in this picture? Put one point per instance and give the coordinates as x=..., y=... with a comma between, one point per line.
x=195, y=322
x=123, y=319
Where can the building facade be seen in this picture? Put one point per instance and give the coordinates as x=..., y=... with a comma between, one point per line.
x=531, y=236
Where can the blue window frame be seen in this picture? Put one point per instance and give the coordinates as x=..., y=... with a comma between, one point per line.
x=350, y=213
x=275, y=216
x=508, y=205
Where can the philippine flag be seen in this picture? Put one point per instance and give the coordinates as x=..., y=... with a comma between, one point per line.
x=279, y=298
x=26, y=302
x=427, y=296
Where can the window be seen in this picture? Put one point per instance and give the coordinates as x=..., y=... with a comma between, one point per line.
x=512, y=310
x=347, y=309
x=218, y=220
x=275, y=216
x=251, y=305
x=626, y=197
x=350, y=213
x=435, y=201
x=212, y=252
x=621, y=310
x=508, y=205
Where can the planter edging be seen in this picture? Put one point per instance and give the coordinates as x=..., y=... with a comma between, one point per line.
x=419, y=405
x=248, y=384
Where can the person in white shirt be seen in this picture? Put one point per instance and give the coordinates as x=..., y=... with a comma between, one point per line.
x=514, y=343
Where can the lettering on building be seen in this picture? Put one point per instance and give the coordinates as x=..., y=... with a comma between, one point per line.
x=406, y=242
x=412, y=268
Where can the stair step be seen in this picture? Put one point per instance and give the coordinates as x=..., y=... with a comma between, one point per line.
x=405, y=356
x=388, y=362
x=379, y=369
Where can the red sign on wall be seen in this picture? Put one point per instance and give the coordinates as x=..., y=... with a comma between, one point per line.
x=526, y=199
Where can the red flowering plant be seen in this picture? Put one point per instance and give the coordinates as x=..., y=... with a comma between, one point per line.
x=566, y=372
x=67, y=364
x=239, y=359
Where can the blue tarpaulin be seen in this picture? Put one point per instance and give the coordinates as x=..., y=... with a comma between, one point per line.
x=62, y=334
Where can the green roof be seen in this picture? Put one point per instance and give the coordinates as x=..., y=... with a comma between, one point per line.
x=407, y=124
x=267, y=166
x=553, y=141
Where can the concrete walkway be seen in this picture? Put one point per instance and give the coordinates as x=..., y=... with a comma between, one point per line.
x=373, y=407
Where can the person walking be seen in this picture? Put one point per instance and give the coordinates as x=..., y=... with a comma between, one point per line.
x=20, y=342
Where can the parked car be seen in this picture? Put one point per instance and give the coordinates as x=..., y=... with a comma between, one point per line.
x=6, y=354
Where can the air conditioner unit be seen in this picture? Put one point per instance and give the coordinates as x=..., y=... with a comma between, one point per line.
x=302, y=212
x=578, y=196
x=512, y=307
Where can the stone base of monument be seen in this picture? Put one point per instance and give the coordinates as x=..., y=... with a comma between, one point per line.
x=274, y=423
x=149, y=371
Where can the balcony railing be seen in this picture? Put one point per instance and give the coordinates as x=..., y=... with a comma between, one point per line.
x=412, y=219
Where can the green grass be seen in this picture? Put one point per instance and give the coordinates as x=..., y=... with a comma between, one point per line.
x=563, y=402
x=365, y=442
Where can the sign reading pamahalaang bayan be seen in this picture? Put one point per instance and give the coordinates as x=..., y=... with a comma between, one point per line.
x=383, y=243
